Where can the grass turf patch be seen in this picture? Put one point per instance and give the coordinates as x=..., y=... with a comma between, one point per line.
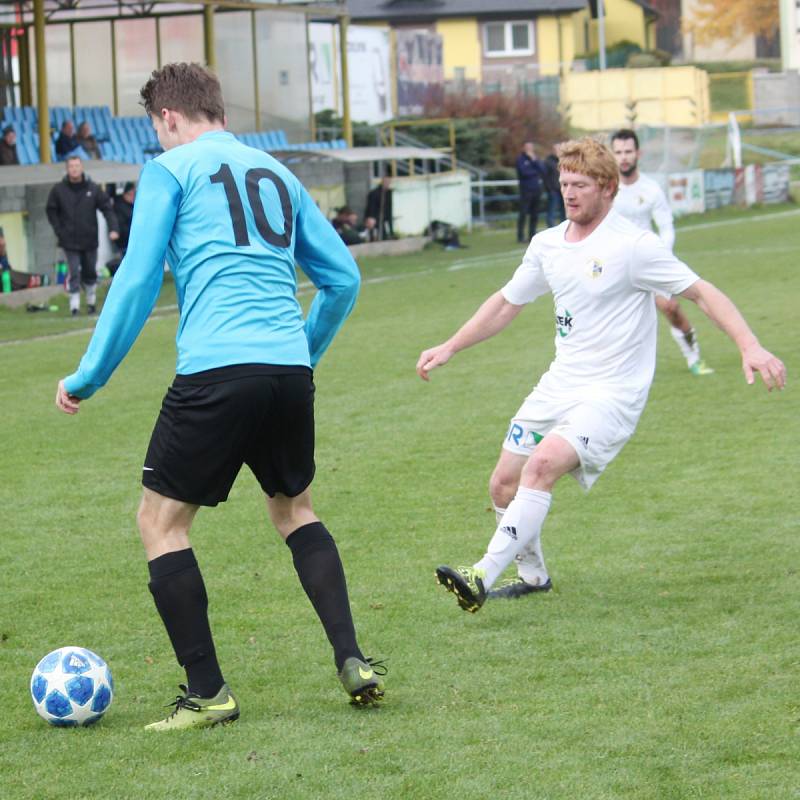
x=662, y=665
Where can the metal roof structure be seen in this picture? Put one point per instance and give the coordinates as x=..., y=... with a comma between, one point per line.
x=418, y=10
x=22, y=13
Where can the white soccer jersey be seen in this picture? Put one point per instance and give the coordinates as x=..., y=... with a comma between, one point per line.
x=603, y=295
x=643, y=203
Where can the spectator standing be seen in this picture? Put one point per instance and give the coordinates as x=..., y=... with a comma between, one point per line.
x=5, y=267
x=378, y=214
x=555, y=202
x=530, y=173
x=87, y=141
x=8, y=147
x=72, y=208
x=67, y=140
x=123, y=208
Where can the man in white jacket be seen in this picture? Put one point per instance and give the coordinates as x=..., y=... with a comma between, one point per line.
x=642, y=201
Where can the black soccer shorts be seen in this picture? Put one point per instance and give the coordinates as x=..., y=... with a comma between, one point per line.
x=214, y=421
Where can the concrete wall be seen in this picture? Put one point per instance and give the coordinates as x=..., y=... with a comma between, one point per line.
x=776, y=98
x=419, y=200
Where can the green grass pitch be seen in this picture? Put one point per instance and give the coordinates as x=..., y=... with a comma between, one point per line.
x=663, y=666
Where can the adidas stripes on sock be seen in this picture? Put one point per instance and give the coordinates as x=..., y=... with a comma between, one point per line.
x=520, y=525
x=687, y=342
x=530, y=560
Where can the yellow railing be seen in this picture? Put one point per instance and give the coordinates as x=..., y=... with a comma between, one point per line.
x=388, y=138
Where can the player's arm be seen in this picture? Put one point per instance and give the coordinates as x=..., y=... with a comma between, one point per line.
x=720, y=309
x=662, y=216
x=134, y=290
x=326, y=260
x=492, y=317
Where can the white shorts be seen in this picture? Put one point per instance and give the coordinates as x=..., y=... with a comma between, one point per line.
x=597, y=426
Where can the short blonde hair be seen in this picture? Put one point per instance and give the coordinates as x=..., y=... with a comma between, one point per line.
x=587, y=156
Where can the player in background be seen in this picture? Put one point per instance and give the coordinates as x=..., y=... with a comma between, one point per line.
x=230, y=221
x=641, y=200
x=602, y=271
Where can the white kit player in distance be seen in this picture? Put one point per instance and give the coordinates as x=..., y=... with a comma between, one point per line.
x=642, y=201
x=602, y=271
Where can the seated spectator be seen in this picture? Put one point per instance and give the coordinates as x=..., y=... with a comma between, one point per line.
x=87, y=141
x=67, y=141
x=346, y=225
x=8, y=147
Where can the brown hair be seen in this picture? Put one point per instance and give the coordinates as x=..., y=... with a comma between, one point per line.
x=188, y=88
x=589, y=157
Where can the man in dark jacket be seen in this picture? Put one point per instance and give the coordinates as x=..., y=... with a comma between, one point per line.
x=72, y=208
x=123, y=208
x=555, y=202
x=378, y=213
x=530, y=173
x=8, y=147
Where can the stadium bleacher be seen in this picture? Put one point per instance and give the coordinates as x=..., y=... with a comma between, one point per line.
x=130, y=140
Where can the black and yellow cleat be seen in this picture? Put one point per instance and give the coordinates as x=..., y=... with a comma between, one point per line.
x=362, y=680
x=466, y=583
x=514, y=588
x=192, y=711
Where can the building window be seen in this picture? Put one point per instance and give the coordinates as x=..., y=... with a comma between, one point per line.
x=508, y=38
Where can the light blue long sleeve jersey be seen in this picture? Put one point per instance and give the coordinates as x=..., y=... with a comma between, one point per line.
x=230, y=221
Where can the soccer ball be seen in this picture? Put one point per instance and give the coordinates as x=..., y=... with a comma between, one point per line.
x=71, y=686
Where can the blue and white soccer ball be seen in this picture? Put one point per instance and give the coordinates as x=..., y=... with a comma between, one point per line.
x=71, y=686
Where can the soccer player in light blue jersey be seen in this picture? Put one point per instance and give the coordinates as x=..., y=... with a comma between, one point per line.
x=230, y=221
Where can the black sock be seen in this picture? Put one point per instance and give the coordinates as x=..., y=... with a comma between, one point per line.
x=319, y=568
x=180, y=596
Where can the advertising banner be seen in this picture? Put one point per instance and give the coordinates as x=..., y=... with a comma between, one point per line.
x=775, y=183
x=324, y=66
x=719, y=187
x=686, y=192
x=370, y=77
x=420, y=71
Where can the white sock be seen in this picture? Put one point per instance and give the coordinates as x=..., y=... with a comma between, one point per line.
x=91, y=294
x=521, y=523
x=74, y=301
x=687, y=342
x=530, y=561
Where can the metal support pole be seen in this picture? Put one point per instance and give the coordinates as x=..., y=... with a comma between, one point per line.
x=347, y=123
x=72, y=70
x=208, y=38
x=114, y=87
x=25, y=88
x=41, y=82
x=312, y=121
x=601, y=32
x=256, y=86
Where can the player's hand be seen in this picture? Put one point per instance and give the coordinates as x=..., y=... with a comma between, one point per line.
x=430, y=359
x=68, y=403
x=113, y=236
x=772, y=370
